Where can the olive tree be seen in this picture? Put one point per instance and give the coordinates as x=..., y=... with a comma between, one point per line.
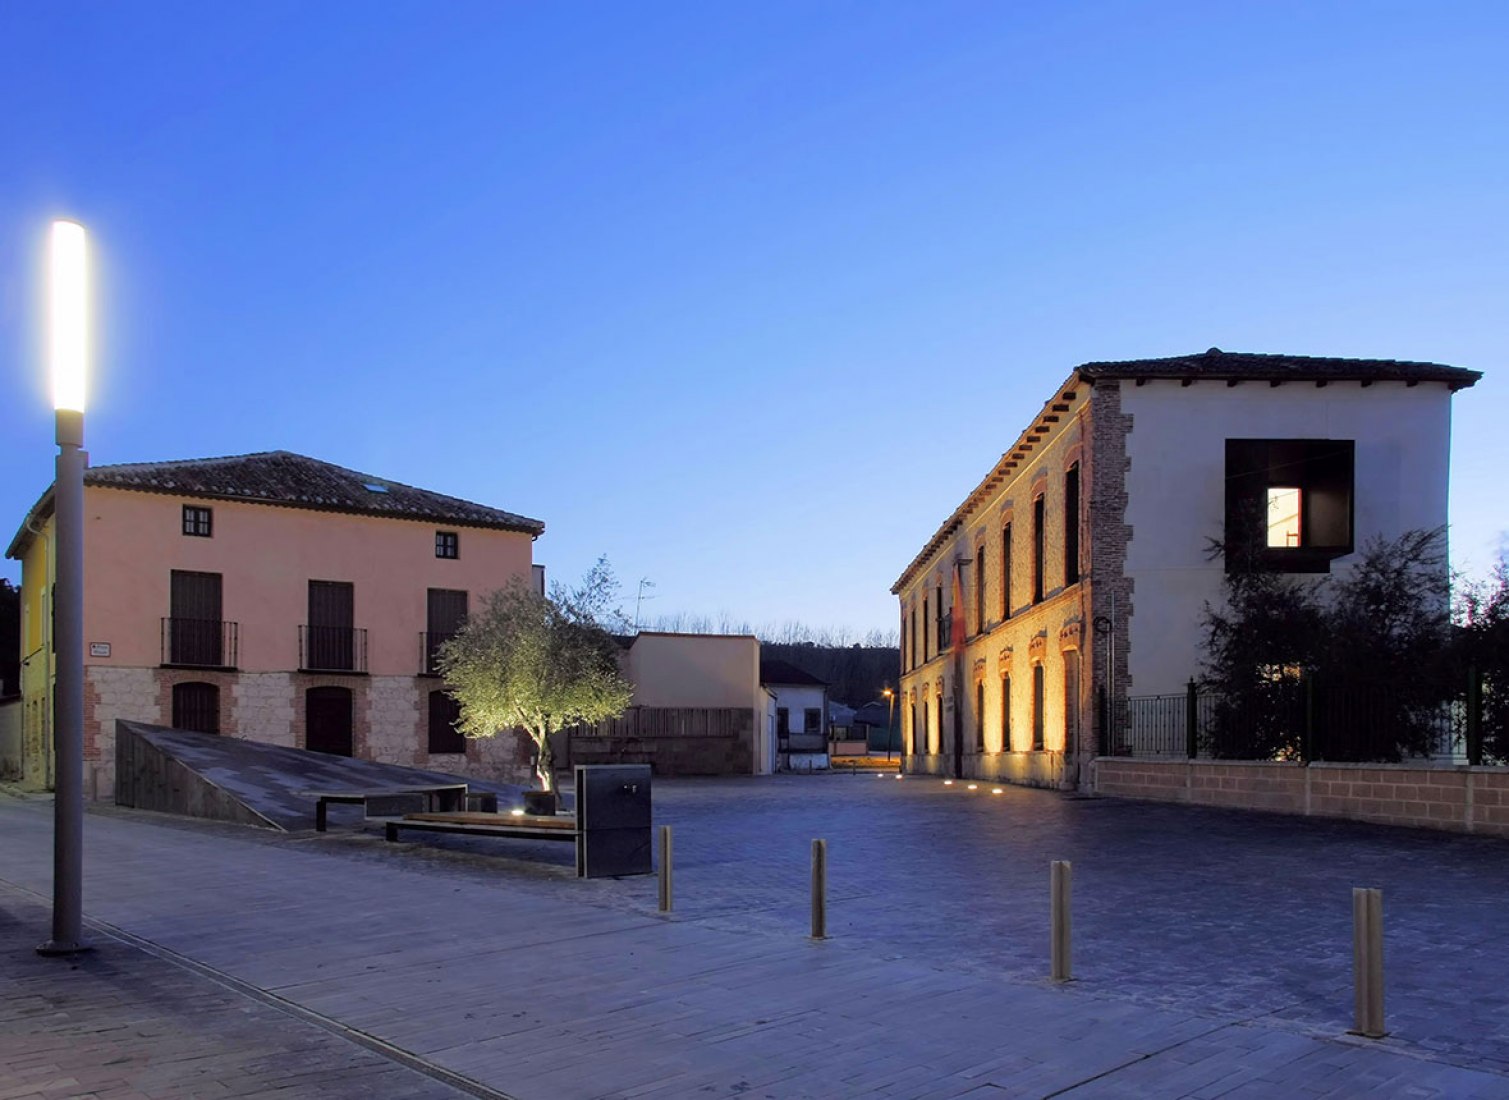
x=541, y=664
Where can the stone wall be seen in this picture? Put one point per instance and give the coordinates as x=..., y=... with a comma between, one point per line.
x=1027, y=769
x=1460, y=799
x=10, y=740
x=390, y=718
x=111, y=693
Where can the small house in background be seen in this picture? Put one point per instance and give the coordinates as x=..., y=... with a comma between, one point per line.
x=698, y=709
x=875, y=722
x=801, y=715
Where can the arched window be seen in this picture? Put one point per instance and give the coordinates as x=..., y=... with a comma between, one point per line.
x=1005, y=713
x=196, y=706
x=980, y=716
x=1039, y=697
x=1071, y=700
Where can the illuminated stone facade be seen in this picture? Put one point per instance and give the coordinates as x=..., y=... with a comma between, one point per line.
x=1083, y=561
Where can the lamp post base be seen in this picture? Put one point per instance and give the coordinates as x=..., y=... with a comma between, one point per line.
x=58, y=948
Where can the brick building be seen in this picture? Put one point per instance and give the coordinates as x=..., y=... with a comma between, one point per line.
x=269, y=596
x=1079, y=568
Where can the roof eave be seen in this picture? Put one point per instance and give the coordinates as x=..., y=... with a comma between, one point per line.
x=39, y=511
x=527, y=526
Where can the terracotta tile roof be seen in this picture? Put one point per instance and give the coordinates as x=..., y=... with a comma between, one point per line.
x=1214, y=365
x=292, y=481
x=1219, y=365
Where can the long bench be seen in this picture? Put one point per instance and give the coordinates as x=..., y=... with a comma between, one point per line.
x=611, y=829
x=479, y=824
x=439, y=796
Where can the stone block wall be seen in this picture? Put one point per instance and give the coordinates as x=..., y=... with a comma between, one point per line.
x=1460, y=799
x=389, y=719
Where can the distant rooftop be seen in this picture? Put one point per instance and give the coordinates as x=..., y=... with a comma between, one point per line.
x=291, y=481
x=773, y=670
x=1239, y=366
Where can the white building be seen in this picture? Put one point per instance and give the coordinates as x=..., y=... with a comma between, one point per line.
x=801, y=714
x=1083, y=559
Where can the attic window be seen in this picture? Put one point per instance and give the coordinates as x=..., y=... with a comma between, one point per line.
x=447, y=544
x=374, y=487
x=198, y=522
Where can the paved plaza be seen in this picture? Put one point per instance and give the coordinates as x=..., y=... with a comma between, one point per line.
x=1212, y=956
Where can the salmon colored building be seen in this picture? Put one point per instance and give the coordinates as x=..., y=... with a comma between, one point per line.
x=272, y=597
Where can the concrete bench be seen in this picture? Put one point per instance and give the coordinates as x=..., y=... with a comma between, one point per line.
x=440, y=796
x=611, y=829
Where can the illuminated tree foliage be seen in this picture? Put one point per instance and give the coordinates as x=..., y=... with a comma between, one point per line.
x=539, y=664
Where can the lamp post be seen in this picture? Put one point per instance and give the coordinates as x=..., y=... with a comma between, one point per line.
x=890, y=721
x=68, y=325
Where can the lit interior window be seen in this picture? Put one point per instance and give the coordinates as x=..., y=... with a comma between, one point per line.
x=1283, y=517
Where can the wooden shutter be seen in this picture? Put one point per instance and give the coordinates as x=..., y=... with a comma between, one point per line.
x=331, y=637
x=195, y=624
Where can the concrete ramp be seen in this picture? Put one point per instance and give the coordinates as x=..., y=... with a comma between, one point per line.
x=248, y=782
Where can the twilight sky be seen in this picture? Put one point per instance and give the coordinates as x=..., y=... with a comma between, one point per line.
x=745, y=295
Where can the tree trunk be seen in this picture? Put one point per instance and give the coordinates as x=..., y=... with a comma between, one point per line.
x=545, y=762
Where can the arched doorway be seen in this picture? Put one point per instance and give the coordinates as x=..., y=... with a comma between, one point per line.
x=327, y=720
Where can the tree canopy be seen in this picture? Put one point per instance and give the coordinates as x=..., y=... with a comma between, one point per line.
x=525, y=661
x=1362, y=659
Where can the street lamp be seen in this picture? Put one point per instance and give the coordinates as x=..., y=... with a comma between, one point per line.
x=68, y=352
x=890, y=721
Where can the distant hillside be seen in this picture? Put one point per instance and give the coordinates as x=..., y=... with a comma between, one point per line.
x=855, y=673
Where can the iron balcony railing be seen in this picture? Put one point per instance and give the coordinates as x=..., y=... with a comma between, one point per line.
x=332, y=649
x=200, y=643
x=430, y=642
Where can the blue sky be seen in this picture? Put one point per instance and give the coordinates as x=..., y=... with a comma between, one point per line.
x=689, y=282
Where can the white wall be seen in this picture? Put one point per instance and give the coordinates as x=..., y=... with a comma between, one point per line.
x=1176, y=498
x=797, y=698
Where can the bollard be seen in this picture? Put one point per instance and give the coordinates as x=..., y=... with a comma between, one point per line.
x=819, y=889
x=1367, y=962
x=1058, y=892
x=665, y=868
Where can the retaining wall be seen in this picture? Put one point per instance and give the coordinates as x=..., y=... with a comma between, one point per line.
x=1460, y=799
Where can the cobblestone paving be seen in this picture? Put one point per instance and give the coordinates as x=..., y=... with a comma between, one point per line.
x=1213, y=950
x=1241, y=914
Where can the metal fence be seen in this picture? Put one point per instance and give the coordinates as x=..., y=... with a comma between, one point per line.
x=1302, y=719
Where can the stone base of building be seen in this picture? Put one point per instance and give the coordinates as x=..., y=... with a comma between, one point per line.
x=389, y=720
x=1025, y=769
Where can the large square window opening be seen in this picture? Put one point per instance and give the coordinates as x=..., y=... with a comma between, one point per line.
x=1289, y=503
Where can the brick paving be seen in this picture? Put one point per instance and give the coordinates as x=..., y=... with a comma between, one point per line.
x=1212, y=948
x=119, y=1024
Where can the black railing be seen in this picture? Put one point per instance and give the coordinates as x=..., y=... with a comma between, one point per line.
x=332, y=649
x=1302, y=719
x=200, y=643
x=430, y=642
